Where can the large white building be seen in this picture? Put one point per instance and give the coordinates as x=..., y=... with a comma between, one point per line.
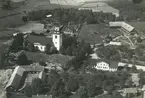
x=122, y=24
x=105, y=65
x=57, y=38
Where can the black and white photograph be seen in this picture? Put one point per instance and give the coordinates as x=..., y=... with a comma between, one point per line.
x=72, y=48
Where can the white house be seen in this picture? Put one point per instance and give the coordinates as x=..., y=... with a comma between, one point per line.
x=106, y=65
x=102, y=66
x=57, y=38
x=39, y=46
x=115, y=43
x=39, y=42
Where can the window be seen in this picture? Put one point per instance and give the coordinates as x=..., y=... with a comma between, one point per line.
x=55, y=42
x=55, y=36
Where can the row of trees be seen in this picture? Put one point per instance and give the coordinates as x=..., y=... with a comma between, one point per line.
x=64, y=16
x=87, y=85
x=79, y=49
x=118, y=53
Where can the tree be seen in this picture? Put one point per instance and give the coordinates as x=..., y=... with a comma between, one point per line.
x=87, y=48
x=57, y=88
x=22, y=59
x=17, y=43
x=47, y=49
x=42, y=63
x=82, y=92
x=29, y=46
x=2, y=59
x=91, y=88
x=37, y=86
x=69, y=51
x=53, y=50
x=134, y=69
x=25, y=19
x=137, y=1
x=28, y=91
x=65, y=77
x=6, y=4
x=72, y=85
x=142, y=78
x=62, y=50
x=52, y=77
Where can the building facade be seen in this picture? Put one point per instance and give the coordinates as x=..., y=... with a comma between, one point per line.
x=40, y=47
x=57, y=38
x=106, y=66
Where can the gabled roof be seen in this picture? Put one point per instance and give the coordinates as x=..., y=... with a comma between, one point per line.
x=15, y=78
x=122, y=24
x=43, y=40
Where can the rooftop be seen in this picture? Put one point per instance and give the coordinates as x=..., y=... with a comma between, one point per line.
x=43, y=40
x=122, y=24
x=130, y=90
x=30, y=77
x=15, y=78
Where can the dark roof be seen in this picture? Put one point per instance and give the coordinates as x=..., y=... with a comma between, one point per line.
x=94, y=34
x=41, y=96
x=43, y=40
x=112, y=64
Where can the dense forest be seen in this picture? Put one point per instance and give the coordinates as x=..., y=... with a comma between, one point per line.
x=65, y=16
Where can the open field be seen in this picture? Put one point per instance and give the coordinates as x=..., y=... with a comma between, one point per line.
x=95, y=33
x=13, y=17
x=138, y=25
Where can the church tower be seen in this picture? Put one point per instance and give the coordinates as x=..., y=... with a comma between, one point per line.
x=57, y=38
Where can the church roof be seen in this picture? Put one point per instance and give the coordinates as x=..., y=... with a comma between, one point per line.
x=43, y=40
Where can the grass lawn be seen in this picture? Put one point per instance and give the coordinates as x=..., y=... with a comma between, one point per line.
x=7, y=21
x=138, y=25
x=95, y=33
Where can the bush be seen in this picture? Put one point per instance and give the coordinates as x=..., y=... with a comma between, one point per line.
x=42, y=63
x=22, y=60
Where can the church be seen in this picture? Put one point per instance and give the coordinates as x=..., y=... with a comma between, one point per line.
x=40, y=42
